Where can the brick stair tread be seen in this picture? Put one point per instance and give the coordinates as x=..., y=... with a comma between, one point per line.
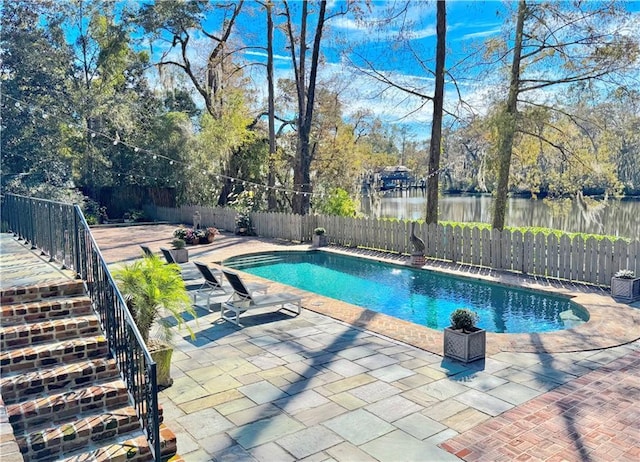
x=41, y=310
x=129, y=449
x=41, y=291
x=23, y=359
x=33, y=384
x=24, y=335
x=27, y=415
x=70, y=434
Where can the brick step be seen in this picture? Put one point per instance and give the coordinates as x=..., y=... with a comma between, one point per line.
x=20, y=336
x=127, y=450
x=59, y=438
x=34, y=384
x=41, y=291
x=51, y=354
x=29, y=415
x=41, y=310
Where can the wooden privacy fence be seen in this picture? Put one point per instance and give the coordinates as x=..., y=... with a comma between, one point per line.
x=587, y=260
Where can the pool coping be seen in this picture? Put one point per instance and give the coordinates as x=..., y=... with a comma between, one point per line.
x=610, y=323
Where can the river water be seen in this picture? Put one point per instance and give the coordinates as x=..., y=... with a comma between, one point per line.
x=613, y=217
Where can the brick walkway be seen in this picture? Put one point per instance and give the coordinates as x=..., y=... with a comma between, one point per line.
x=594, y=417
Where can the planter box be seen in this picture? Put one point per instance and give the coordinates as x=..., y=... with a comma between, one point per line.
x=162, y=357
x=625, y=290
x=180, y=255
x=464, y=346
x=319, y=240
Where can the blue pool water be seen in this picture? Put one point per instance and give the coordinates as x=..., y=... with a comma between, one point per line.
x=420, y=296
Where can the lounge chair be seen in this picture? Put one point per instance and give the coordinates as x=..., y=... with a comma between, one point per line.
x=212, y=283
x=146, y=250
x=168, y=255
x=243, y=300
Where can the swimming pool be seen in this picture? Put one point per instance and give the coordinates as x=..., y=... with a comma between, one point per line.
x=420, y=296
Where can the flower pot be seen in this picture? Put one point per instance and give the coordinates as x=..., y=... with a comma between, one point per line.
x=180, y=255
x=161, y=354
x=465, y=346
x=625, y=290
x=319, y=240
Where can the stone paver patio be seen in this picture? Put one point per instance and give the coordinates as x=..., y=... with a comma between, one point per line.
x=317, y=388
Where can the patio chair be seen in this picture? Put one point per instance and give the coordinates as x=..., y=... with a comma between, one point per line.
x=168, y=255
x=243, y=300
x=146, y=250
x=213, y=283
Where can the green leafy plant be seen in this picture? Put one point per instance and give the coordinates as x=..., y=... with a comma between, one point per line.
x=178, y=243
x=152, y=289
x=319, y=231
x=464, y=319
x=624, y=274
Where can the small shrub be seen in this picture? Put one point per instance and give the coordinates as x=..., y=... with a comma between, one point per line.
x=319, y=231
x=625, y=274
x=463, y=318
x=178, y=243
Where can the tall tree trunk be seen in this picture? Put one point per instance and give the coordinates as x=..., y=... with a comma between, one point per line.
x=436, y=125
x=271, y=194
x=507, y=127
x=306, y=97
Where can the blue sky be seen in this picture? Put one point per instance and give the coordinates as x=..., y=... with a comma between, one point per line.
x=469, y=24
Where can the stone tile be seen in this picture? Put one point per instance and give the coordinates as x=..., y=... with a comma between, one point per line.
x=374, y=391
x=345, y=368
x=309, y=441
x=393, y=408
x=356, y=352
x=388, y=447
x=420, y=397
x=479, y=380
x=210, y=401
x=204, y=374
x=514, y=393
x=204, y=423
x=253, y=414
x=443, y=389
x=221, y=383
x=419, y=426
x=444, y=409
x=266, y=361
x=271, y=452
x=413, y=381
x=320, y=414
x=264, y=431
x=262, y=392
x=392, y=373
x=349, y=383
x=306, y=400
x=442, y=436
x=234, y=406
x=465, y=420
x=358, y=426
x=347, y=452
x=484, y=402
x=264, y=340
x=347, y=400
x=376, y=361
x=184, y=389
x=233, y=454
x=430, y=372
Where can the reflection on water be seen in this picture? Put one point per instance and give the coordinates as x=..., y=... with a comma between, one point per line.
x=616, y=218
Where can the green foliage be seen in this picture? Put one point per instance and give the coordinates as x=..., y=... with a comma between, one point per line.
x=319, y=231
x=153, y=289
x=463, y=318
x=338, y=203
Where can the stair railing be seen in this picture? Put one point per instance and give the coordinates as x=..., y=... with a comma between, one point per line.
x=60, y=231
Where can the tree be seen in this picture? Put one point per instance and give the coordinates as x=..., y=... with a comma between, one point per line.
x=556, y=46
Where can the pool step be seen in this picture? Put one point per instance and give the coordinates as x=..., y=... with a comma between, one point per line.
x=255, y=260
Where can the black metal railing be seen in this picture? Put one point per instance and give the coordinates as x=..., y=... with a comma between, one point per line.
x=60, y=231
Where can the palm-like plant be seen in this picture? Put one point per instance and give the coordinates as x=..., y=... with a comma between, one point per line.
x=151, y=288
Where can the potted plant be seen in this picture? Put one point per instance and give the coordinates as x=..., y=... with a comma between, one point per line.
x=319, y=238
x=210, y=234
x=180, y=253
x=463, y=340
x=625, y=287
x=152, y=290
